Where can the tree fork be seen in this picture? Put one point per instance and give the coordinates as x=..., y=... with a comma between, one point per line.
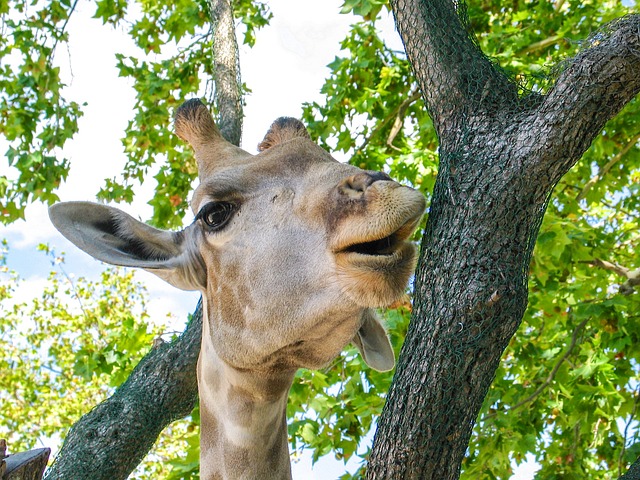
x=498, y=167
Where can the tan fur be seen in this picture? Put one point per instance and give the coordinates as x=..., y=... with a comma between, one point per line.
x=311, y=246
x=283, y=130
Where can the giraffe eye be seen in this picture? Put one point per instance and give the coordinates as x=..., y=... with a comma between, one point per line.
x=216, y=214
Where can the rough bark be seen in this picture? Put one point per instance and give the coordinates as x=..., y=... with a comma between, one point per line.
x=500, y=158
x=633, y=473
x=110, y=441
x=226, y=71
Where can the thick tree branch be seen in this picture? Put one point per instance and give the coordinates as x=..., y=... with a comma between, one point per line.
x=454, y=75
x=614, y=267
x=484, y=218
x=228, y=96
x=108, y=442
x=591, y=88
x=633, y=280
x=632, y=276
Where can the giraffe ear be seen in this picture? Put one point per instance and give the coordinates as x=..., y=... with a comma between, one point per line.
x=112, y=236
x=373, y=343
x=283, y=130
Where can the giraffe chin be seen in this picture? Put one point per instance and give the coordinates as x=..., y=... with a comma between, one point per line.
x=376, y=280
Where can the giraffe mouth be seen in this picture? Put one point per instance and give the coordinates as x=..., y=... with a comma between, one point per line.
x=373, y=254
x=383, y=246
x=374, y=271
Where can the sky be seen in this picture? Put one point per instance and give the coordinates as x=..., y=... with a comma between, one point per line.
x=286, y=68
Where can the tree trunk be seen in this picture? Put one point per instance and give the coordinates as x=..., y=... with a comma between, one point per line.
x=633, y=473
x=500, y=157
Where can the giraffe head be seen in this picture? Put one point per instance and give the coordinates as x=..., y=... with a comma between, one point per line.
x=290, y=248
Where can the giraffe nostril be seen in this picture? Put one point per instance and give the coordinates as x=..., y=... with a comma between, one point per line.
x=357, y=184
x=378, y=176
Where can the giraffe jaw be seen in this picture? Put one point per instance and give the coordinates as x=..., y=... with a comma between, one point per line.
x=374, y=270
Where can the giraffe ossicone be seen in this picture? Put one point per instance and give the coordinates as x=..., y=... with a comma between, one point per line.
x=292, y=251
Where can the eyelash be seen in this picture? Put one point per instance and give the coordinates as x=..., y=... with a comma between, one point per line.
x=216, y=215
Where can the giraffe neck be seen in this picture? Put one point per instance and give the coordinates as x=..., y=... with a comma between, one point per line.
x=243, y=424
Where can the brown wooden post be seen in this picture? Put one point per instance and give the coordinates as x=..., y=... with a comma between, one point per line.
x=24, y=465
x=3, y=451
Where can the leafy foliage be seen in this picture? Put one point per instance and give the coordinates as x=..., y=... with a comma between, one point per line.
x=66, y=349
x=35, y=119
x=373, y=111
x=172, y=63
x=567, y=390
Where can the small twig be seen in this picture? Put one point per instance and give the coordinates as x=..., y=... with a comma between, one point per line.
x=53, y=370
x=62, y=30
x=74, y=290
x=198, y=41
x=397, y=123
x=626, y=428
x=552, y=374
x=624, y=232
x=594, y=442
x=632, y=276
x=618, y=209
x=607, y=167
x=547, y=42
x=415, y=95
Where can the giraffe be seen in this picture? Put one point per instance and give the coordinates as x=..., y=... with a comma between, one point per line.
x=291, y=250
